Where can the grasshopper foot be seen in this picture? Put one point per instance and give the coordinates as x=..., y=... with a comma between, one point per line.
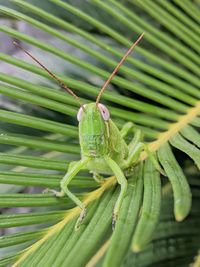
x=114, y=220
x=163, y=172
x=80, y=219
x=98, y=178
x=56, y=193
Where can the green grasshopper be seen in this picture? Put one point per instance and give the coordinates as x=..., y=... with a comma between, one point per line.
x=103, y=148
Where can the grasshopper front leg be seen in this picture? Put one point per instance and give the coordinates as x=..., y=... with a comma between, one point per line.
x=121, y=179
x=73, y=169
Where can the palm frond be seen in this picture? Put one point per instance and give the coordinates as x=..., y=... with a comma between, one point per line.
x=157, y=89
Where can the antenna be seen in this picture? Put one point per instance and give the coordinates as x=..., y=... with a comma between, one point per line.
x=117, y=67
x=59, y=81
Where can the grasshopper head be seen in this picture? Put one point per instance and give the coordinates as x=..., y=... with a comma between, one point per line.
x=93, y=129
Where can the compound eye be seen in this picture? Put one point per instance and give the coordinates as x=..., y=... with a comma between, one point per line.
x=104, y=112
x=80, y=113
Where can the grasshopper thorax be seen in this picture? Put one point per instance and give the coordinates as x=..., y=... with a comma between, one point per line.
x=93, y=129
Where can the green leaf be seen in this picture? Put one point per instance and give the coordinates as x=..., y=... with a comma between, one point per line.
x=178, y=141
x=151, y=206
x=121, y=238
x=181, y=189
x=14, y=239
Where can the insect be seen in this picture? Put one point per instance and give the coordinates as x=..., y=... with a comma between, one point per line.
x=103, y=148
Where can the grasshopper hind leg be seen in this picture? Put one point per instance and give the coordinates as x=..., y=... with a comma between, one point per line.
x=127, y=127
x=135, y=147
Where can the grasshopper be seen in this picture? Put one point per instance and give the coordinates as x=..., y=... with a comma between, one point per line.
x=103, y=148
